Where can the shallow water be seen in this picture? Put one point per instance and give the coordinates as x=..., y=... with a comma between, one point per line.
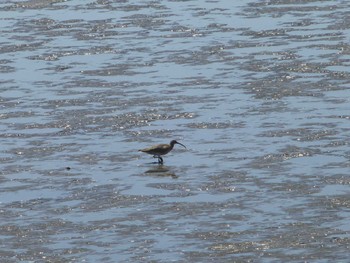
x=258, y=91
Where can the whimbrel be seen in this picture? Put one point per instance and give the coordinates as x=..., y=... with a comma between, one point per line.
x=161, y=149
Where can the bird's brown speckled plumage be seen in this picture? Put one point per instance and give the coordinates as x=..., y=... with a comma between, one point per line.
x=160, y=149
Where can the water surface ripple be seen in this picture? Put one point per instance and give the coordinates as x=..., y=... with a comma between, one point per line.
x=258, y=91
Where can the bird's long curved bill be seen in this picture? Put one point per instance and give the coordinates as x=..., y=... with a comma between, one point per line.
x=182, y=145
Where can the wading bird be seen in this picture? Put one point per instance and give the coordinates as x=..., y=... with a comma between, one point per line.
x=160, y=149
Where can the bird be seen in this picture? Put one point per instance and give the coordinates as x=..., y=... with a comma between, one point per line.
x=161, y=149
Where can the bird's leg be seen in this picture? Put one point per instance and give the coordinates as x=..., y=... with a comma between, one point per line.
x=160, y=159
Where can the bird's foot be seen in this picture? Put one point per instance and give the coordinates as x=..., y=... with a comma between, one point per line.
x=160, y=159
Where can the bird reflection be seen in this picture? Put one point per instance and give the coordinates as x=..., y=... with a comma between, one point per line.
x=162, y=171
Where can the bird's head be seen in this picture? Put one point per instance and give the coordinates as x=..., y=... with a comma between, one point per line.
x=173, y=142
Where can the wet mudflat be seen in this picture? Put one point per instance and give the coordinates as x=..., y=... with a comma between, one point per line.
x=258, y=91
